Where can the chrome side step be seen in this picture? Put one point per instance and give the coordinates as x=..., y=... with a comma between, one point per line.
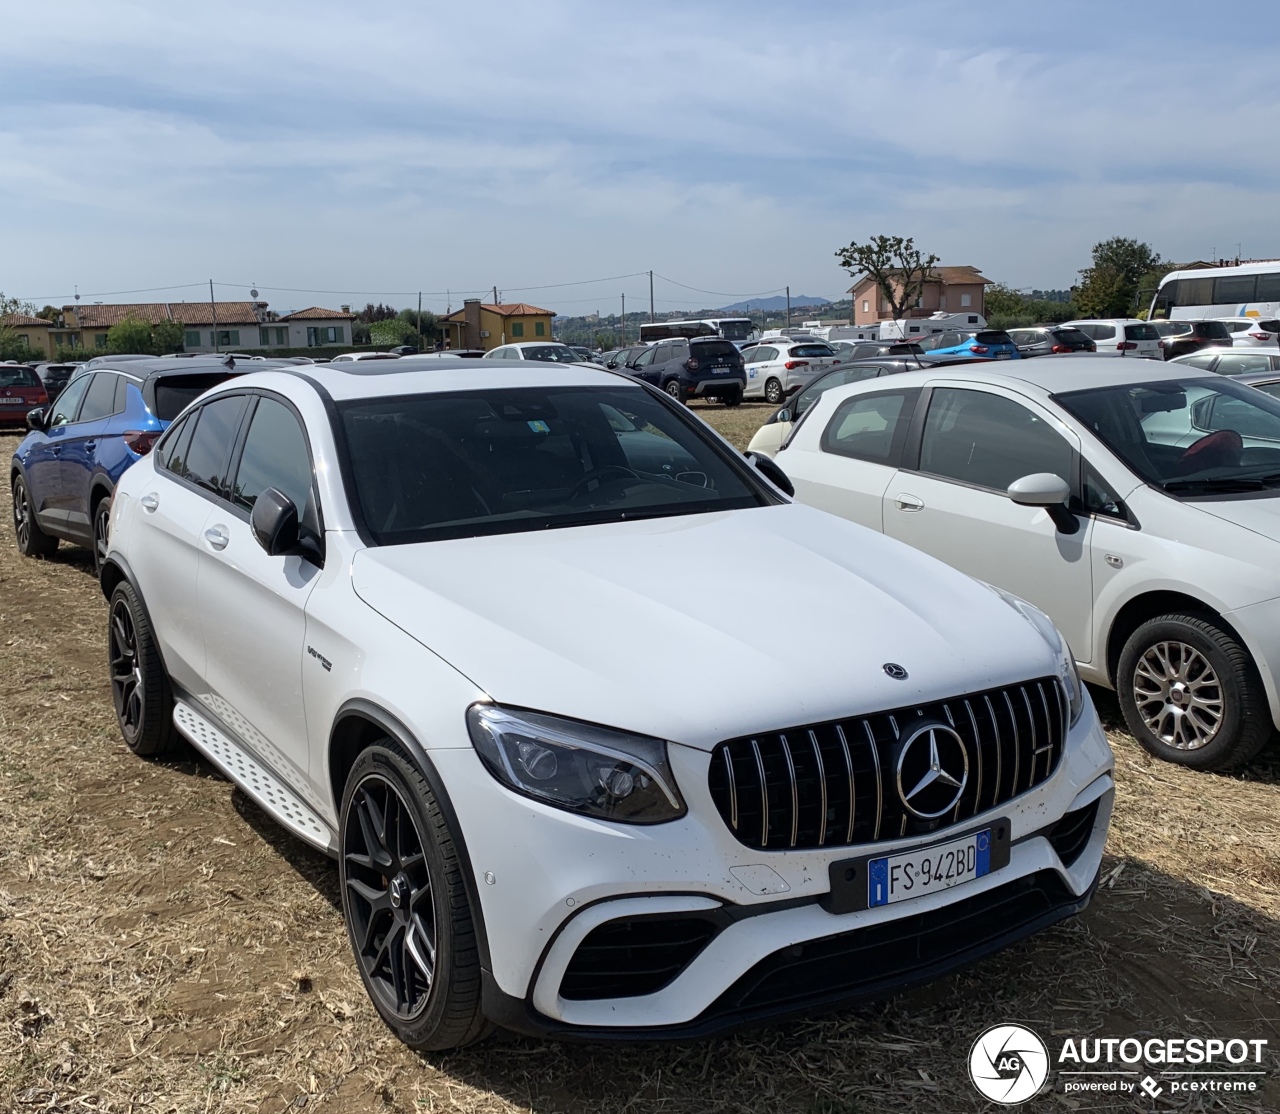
x=267, y=791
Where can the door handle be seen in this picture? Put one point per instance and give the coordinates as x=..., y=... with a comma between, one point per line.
x=217, y=537
x=906, y=502
x=150, y=501
x=89, y=446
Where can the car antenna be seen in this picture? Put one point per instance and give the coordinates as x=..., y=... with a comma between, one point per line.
x=229, y=362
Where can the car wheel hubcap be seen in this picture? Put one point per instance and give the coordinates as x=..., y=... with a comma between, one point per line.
x=775, y=392
x=126, y=671
x=21, y=514
x=389, y=897
x=1178, y=695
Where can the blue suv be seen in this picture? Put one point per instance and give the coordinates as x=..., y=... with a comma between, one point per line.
x=65, y=470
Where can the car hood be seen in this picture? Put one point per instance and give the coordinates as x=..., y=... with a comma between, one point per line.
x=1261, y=515
x=702, y=627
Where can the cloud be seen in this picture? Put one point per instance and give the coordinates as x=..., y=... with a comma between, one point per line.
x=730, y=146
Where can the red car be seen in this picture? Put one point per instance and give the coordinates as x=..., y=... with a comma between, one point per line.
x=20, y=391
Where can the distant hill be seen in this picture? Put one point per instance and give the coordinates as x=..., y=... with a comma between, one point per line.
x=776, y=302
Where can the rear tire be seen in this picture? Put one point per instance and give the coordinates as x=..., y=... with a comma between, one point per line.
x=773, y=392
x=674, y=389
x=32, y=541
x=101, y=529
x=405, y=904
x=140, y=689
x=1191, y=694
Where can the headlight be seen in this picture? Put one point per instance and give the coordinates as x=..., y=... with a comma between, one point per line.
x=593, y=770
x=1072, y=688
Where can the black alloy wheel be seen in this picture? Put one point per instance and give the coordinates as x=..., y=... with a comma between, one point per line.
x=773, y=392
x=101, y=533
x=140, y=688
x=32, y=541
x=406, y=909
x=676, y=391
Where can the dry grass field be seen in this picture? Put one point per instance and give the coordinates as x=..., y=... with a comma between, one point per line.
x=164, y=948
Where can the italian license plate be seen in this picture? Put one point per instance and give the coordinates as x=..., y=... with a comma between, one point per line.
x=721, y=370
x=1004, y=355
x=870, y=882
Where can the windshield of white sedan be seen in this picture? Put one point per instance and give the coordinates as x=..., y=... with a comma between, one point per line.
x=436, y=466
x=1191, y=437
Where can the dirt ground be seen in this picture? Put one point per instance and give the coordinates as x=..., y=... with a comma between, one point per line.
x=164, y=947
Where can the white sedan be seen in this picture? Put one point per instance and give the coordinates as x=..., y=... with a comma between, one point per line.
x=778, y=366
x=1140, y=510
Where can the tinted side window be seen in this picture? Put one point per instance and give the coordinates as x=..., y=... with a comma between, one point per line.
x=275, y=455
x=989, y=441
x=172, y=452
x=870, y=427
x=1240, y=363
x=64, y=410
x=209, y=454
x=100, y=398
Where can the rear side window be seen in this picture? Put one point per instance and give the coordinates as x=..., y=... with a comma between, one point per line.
x=209, y=451
x=1071, y=336
x=100, y=399
x=174, y=393
x=1242, y=363
x=870, y=427
x=275, y=455
x=1140, y=332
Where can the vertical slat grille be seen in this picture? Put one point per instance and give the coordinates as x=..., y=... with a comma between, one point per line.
x=835, y=784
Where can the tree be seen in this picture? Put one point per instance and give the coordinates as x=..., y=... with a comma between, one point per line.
x=898, y=267
x=1109, y=287
x=396, y=330
x=1006, y=308
x=130, y=335
x=52, y=314
x=11, y=346
x=426, y=323
x=166, y=337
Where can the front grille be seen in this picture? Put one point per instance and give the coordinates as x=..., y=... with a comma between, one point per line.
x=884, y=958
x=641, y=955
x=1070, y=835
x=835, y=784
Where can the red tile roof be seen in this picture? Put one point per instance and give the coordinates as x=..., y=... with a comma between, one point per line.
x=948, y=276
x=318, y=313
x=21, y=320
x=189, y=313
x=506, y=309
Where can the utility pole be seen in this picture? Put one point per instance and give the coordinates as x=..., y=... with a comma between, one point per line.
x=214, y=306
x=651, y=316
x=788, y=307
x=495, y=295
x=624, y=320
x=419, y=320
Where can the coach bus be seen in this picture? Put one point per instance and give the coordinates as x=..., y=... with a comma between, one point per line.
x=737, y=329
x=1248, y=290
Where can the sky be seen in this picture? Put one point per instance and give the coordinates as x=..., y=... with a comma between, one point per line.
x=327, y=153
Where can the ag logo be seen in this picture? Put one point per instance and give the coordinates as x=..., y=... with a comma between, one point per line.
x=1008, y=1064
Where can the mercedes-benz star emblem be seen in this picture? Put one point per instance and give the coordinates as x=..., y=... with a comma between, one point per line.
x=933, y=770
x=895, y=671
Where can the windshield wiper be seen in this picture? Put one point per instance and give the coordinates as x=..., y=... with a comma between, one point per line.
x=1213, y=487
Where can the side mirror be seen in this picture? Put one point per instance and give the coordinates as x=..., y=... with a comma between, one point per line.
x=37, y=419
x=784, y=415
x=1044, y=489
x=769, y=469
x=274, y=522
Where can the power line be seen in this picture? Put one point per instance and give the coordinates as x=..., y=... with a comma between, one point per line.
x=718, y=293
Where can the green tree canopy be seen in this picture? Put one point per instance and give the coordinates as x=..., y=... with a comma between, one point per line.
x=12, y=347
x=130, y=335
x=396, y=330
x=166, y=337
x=898, y=267
x=1110, y=286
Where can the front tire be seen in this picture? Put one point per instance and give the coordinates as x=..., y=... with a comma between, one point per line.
x=733, y=399
x=32, y=541
x=405, y=906
x=773, y=392
x=1191, y=694
x=140, y=687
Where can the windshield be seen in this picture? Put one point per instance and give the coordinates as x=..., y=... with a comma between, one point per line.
x=1140, y=332
x=437, y=466
x=735, y=330
x=18, y=377
x=552, y=353
x=1191, y=436
x=811, y=350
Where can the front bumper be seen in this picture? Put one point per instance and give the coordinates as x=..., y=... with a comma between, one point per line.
x=547, y=879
